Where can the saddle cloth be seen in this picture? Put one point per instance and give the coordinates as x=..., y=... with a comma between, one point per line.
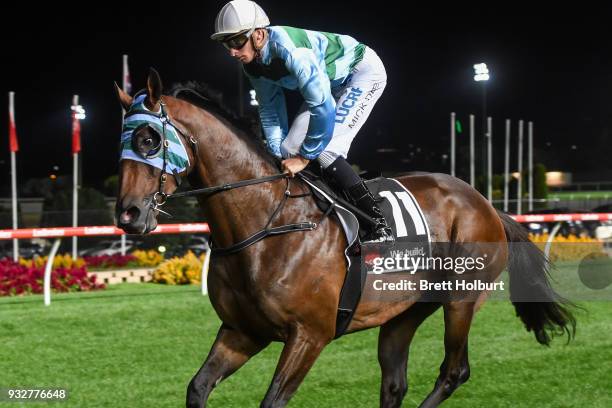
x=402, y=213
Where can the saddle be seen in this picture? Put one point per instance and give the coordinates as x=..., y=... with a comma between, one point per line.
x=403, y=215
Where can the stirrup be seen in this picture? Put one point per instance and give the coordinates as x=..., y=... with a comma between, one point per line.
x=381, y=234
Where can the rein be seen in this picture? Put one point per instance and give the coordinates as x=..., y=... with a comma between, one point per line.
x=226, y=186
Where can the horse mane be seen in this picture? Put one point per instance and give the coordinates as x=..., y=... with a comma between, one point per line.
x=204, y=96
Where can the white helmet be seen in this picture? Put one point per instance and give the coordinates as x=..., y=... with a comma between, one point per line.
x=237, y=16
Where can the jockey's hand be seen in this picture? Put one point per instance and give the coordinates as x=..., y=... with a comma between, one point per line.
x=294, y=165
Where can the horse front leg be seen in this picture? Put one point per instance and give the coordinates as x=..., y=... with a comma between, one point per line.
x=299, y=354
x=229, y=352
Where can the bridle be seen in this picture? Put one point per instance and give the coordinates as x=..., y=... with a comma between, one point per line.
x=159, y=198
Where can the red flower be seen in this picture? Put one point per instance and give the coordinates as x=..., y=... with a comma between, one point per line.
x=16, y=279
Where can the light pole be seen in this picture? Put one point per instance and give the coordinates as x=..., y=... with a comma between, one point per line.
x=481, y=74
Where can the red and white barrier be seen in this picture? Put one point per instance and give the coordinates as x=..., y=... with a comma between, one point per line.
x=563, y=217
x=59, y=233
x=26, y=233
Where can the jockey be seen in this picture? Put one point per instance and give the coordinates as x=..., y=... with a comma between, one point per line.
x=339, y=78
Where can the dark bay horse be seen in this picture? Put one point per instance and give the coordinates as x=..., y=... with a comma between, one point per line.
x=286, y=287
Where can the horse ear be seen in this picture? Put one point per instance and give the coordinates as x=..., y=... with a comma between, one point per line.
x=124, y=99
x=154, y=87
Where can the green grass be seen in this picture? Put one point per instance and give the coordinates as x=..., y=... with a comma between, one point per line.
x=579, y=195
x=575, y=280
x=137, y=345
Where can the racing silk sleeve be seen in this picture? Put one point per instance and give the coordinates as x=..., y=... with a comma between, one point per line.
x=272, y=113
x=315, y=88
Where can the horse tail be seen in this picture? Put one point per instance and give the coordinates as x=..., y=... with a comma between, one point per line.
x=541, y=310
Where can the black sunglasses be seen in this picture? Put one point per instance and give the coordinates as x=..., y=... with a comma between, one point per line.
x=237, y=41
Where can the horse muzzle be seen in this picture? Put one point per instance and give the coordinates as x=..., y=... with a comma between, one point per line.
x=135, y=217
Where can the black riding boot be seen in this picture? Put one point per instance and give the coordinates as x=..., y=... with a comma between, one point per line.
x=365, y=201
x=345, y=177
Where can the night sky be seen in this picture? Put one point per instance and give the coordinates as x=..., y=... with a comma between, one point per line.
x=551, y=66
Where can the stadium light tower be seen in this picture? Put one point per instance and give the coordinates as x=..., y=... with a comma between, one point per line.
x=481, y=72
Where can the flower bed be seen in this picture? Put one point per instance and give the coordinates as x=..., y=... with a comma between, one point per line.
x=137, y=259
x=180, y=271
x=150, y=258
x=111, y=261
x=60, y=261
x=570, y=248
x=68, y=274
x=19, y=279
